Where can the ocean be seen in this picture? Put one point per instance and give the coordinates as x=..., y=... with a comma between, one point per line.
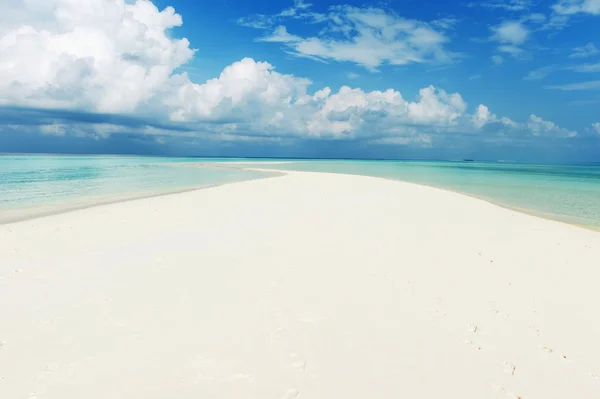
x=33, y=183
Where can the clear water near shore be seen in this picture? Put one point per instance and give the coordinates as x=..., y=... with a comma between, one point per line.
x=32, y=182
x=568, y=193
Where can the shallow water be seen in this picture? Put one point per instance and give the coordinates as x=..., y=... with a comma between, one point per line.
x=569, y=193
x=32, y=181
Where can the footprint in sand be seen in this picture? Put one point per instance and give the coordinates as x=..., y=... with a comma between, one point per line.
x=473, y=328
x=298, y=363
x=291, y=394
x=51, y=368
x=501, y=393
x=509, y=368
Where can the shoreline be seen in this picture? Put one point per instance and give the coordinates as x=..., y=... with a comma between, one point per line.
x=24, y=214
x=29, y=213
x=526, y=211
x=10, y=215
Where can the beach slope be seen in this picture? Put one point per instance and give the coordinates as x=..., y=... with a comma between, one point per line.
x=306, y=285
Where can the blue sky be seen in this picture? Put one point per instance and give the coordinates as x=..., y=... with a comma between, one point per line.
x=506, y=79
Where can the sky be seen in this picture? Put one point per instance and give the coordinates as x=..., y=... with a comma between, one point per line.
x=406, y=79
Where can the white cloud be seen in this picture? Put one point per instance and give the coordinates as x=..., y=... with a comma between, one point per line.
x=586, y=67
x=411, y=137
x=535, y=18
x=564, y=10
x=568, y=7
x=106, y=56
x=535, y=126
x=556, y=22
x=46, y=61
x=446, y=23
x=475, y=77
x=590, y=85
x=541, y=127
x=539, y=74
x=95, y=130
x=280, y=35
x=596, y=127
x=53, y=130
x=497, y=60
x=510, y=34
x=368, y=37
x=352, y=75
x=263, y=100
x=245, y=89
x=298, y=11
x=482, y=116
x=510, y=49
x=585, y=51
x=508, y=5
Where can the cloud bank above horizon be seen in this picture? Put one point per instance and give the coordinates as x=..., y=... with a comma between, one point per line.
x=132, y=74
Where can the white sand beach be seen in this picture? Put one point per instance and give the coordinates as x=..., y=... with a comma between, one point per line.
x=305, y=285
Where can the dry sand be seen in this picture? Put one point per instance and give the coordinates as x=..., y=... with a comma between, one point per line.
x=302, y=286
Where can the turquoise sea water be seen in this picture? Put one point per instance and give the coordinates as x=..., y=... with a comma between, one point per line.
x=32, y=182
x=569, y=193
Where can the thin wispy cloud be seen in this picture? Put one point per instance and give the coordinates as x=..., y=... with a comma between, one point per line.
x=586, y=51
x=569, y=7
x=497, y=60
x=540, y=73
x=537, y=18
x=300, y=10
x=280, y=35
x=555, y=22
x=586, y=68
x=512, y=50
x=369, y=37
x=563, y=10
x=590, y=85
x=446, y=23
x=506, y=5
